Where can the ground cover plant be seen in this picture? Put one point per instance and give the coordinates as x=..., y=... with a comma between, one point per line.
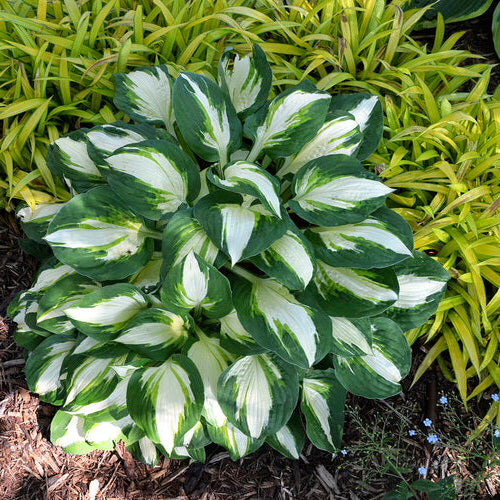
x=225, y=269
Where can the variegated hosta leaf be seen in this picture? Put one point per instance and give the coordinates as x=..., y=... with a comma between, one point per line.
x=23, y=311
x=290, y=259
x=290, y=439
x=153, y=177
x=112, y=407
x=234, y=338
x=145, y=451
x=248, y=178
x=63, y=294
x=184, y=234
x=96, y=235
x=206, y=117
x=68, y=158
x=43, y=367
x=422, y=283
x=246, y=80
x=103, y=434
x=233, y=440
x=192, y=446
x=290, y=120
x=258, y=394
x=166, y=401
x=336, y=190
x=238, y=231
x=339, y=135
x=351, y=337
x=89, y=379
x=367, y=111
x=296, y=332
x=358, y=292
x=322, y=404
x=211, y=360
x=35, y=222
x=49, y=274
x=146, y=95
x=104, y=140
x=382, y=240
x=377, y=375
x=67, y=432
x=155, y=333
x=148, y=278
x=195, y=283
x=102, y=313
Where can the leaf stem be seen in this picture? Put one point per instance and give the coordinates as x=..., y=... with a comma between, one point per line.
x=241, y=272
x=150, y=233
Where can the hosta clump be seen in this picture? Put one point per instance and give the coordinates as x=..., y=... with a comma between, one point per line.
x=224, y=272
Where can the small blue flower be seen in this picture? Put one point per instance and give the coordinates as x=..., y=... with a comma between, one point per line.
x=422, y=471
x=412, y=432
x=443, y=400
x=432, y=438
x=497, y=433
x=344, y=452
x=494, y=397
x=427, y=422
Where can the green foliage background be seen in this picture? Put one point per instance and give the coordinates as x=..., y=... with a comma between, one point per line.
x=441, y=146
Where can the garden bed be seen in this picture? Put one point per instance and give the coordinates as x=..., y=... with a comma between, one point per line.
x=380, y=452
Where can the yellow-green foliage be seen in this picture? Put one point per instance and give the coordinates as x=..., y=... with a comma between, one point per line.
x=440, y=149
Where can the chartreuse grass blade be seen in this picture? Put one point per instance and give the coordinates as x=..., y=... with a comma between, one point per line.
x=194, y=283
x=146, y=96
x=381, y=240
x=154, y=333
x=157, y=175
x=238, y=231
x=248, y=178
x=173, y=394
x=290, y=439
x=291, y=120
x=377, y=375
x=211, y=360
x=422, y=283
x=300, y=334
x=43, y=367
x=336, y=190
x=206, y=117
x=247, y=80
x=95, y=234
x=263, y=378
x=104, y=312
x=322, y=403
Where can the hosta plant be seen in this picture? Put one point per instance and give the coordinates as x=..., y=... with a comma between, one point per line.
x=225, y=270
